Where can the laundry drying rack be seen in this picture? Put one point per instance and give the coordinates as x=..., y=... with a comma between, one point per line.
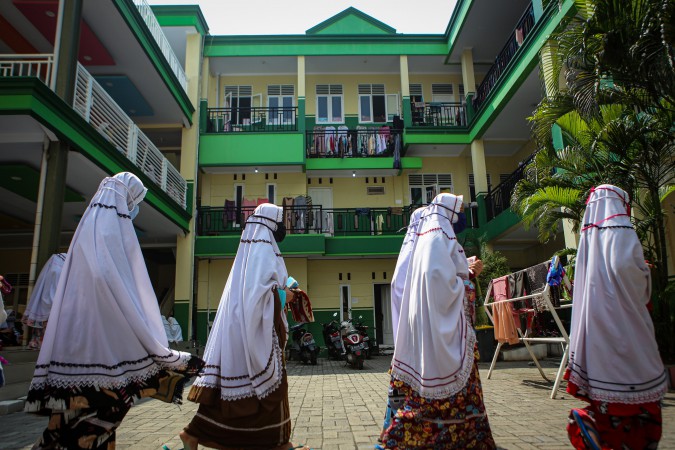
x=542, y=295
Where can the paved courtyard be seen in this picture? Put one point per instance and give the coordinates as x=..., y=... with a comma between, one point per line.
x=335, y=407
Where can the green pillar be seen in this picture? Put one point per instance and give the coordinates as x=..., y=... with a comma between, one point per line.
x=407, y=113
x=482, y=209
x=203, y=115
x=57, y=154
x=470, y=112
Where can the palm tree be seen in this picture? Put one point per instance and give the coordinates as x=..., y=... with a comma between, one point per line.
x=615, y=113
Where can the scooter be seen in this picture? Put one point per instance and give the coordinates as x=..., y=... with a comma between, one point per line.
x=353, y=343
x=332, y=338
x=363, y=331
x=303, y=346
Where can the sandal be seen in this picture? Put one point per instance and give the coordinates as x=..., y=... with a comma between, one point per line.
x=588, y=431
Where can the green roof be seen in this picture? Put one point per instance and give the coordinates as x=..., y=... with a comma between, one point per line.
x=351, y=21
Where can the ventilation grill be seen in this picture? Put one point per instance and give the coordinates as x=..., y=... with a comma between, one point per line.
x=375, y=190
x=441, y=88
x=329, y=89
x=461, y=89
x=239, y=91
x=473, y=183
x=443, y=179
x=415, y=180
x=503, y=177
x=375, y=89
x=281, y=89
x=416, y=89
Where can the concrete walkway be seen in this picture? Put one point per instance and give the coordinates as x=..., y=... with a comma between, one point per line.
x=336, y=407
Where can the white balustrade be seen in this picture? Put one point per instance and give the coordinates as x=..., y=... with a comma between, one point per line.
x=156, y=31
x=96, y=106
x=35, y=65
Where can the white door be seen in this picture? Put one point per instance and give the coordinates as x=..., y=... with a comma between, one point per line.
x=387, y=327
x=322, y=197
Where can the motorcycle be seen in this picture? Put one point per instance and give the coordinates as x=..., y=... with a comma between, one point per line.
x=332, y=339
x=363, y=331
x=303, y=346
x=353, y=344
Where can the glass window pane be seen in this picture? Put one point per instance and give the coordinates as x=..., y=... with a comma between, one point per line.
x=364, y=103
x=416, y=196
x=337, y=109
x=322, y=113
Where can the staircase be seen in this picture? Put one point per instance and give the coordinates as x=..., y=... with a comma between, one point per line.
x=18, y=374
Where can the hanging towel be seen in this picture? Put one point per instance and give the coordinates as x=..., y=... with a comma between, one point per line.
x=502, y=312
x=536, y=281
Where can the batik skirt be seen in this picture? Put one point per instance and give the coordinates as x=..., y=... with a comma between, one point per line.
x=618, y=425
x=457, y=422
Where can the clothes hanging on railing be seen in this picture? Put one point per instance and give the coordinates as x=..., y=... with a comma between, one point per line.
x=229, y=213
x=506, y=329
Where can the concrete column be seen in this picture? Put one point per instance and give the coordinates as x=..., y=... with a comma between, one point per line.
x=468, y=77
x=54, y=172
x=478, y=165
x=301, y=97
x=184, y=296
x=405, y=91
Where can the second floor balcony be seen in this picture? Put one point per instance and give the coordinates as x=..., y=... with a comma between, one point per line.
x=438, y=114
x=252, y=119
x=343, y=142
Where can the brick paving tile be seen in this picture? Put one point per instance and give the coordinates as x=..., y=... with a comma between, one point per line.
x=335, y=407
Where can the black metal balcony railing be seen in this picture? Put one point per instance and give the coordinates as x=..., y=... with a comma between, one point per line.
x=231, y=120
x=217, y=221
x=499, y=198
x=438, y=114
x=328, y=142
x=515, y=41
x=315, y=219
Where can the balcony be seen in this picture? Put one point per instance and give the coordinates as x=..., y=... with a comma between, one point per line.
x=329, y=142
x=441, y=115
x=96, y=107
x=252, y=119
x=220, y=221
x=513, y=44
x=163, y=43
x=498, y=199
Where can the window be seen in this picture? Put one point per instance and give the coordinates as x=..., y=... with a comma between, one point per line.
x=424, y=187
x=272, y=193
x=472, y=186
x=416, y=93
x=372, y=103
x=442, y=93
x=280, y=102
x=240, y=100
x=329, y=103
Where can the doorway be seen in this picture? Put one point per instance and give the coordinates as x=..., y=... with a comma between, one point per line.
x=345, y=302
x=384, y=331
x=322, y=200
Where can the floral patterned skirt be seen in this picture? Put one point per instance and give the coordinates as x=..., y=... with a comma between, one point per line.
x=619, y=425
x=456, y=422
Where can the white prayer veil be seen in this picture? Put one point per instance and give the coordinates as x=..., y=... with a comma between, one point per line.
x=105, y=328
x=243, y=352
x=42, y=296
x=401, y=269
x=435, y=342
x=613, y=352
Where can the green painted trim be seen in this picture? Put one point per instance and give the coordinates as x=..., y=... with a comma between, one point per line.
x=351, y=12
x=407, y=115
x=500, y=224
x=30, y=96
x=361, y=163
x=303, y=244
x=181, y=311
x=293, y=45
x=251, y=149
x=457, y=22
x=189, y=197
x=433, y=135
x=203, y=115
x=226, y=246
x=363, y=245
x=140, y=30
x=520, y=66
x=181, y=16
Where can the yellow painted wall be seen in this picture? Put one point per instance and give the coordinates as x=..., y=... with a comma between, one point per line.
x=458, y=166
x=213, y=276
x=392, y=85
x=215, y=189
x=526, y=257
x=258, y=84
x=324, y=283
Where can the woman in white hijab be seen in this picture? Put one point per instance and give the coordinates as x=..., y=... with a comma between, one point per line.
x=105, y=347
x=243, y=392
x=614, y=360
x=434, y=366
x=42, y=297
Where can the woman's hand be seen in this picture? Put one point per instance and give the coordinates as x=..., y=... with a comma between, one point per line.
x=476, y=267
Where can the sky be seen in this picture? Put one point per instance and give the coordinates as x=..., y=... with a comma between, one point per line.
x=236, y=17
